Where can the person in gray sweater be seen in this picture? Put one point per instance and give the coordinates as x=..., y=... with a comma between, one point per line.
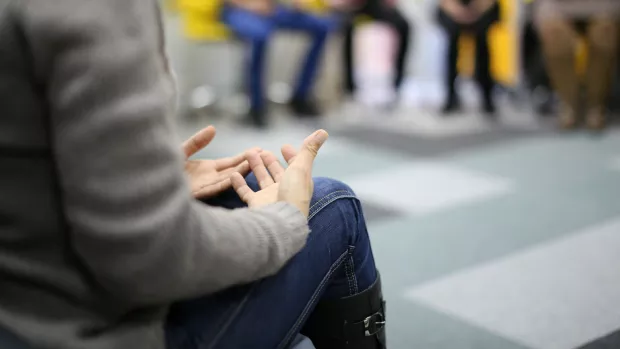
x=103, y=245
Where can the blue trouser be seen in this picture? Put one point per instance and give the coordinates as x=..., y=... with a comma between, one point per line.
x=257, y=30
x=336, y=262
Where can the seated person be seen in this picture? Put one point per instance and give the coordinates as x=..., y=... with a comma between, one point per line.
x=476, y=17
x=560, y=23
x=384, y=11
x=103, y=245
x=533, y=66
x=255, y=21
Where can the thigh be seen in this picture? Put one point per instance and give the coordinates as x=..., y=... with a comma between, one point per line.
x=292, y=19
x=247, y=24
x=270, y=312
x=557, y=36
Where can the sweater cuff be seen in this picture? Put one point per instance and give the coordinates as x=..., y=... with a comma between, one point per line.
x=294, y=229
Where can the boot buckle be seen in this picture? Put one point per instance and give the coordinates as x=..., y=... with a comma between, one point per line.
x=373, y=324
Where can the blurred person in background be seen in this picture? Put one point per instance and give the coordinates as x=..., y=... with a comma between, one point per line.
x=256, y=21
x=476, y=17
x=533, y=66
x=385, y=11
x=103, y=243
x=560, y=23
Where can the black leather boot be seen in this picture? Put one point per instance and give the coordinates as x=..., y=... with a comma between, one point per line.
x=355, y=322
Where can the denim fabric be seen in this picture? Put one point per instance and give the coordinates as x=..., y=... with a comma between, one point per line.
x=9, y=341
x=257, y=30
x=336, y=262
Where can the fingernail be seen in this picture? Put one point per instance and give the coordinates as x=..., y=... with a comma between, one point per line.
x=321, y=136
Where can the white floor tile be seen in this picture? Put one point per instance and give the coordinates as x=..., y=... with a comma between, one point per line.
x=427, y=187
x=615, y=163
x=556, y=296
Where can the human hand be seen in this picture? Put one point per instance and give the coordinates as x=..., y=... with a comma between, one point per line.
x=210, y=177
x=293, y=184
x=459, y=13
x=301, y=4
x=261, y=7
x=479, y=7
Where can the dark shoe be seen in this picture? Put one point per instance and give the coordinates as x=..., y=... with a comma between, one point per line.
x=452, y=105
x=489, y=107
x=567, y=119
x=595, y=119
x=256, y=118
x=304, y=107
x=355, y=322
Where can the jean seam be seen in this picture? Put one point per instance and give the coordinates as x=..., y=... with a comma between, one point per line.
x=353, y=277
x=347, y=271
x=328, y=199
x=328, y=196
x=232, y=317
x=313, y=299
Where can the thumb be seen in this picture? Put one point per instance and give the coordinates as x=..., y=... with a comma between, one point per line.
x=198, y=141
x=310, y=148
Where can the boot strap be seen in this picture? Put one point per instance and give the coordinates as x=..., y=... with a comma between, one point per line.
x=368, y=327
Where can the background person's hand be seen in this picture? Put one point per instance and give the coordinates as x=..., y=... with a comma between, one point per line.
x=210, y=177
x=459, y=13
x=301, y=4
x=261, y=7
x=293, y=184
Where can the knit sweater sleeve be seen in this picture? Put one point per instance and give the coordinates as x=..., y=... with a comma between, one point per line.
x=130, y=216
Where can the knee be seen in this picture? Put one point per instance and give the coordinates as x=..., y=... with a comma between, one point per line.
x=324, y=186
x=322, y=27
x=602, y=36
x=556, y=41
x=327, y=191
x=259, y=34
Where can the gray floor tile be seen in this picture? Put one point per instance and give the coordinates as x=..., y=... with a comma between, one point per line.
x=374, y=212
x=610, y=341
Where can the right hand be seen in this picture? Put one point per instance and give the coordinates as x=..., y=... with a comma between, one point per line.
x=293, y=184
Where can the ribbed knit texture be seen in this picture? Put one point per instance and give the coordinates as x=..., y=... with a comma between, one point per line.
x=98, y=229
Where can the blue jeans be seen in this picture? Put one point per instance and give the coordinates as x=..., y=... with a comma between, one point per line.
x=336, y=262
x=257, y=30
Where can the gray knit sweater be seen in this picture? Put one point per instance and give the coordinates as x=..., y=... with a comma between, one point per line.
x=98, y=229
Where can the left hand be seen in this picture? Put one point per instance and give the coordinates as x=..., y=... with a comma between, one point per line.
x=210, y=177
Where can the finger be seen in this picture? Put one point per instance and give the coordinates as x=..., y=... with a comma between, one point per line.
x=212, y=189
x=273, y=165
x=289, y=152
x=260, y=171
x=241, y=187
x=243, y=168
x=198, y=141
x=226, y=163
x=310, y=149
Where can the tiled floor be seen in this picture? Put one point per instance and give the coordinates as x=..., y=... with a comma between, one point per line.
x=489, y=235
